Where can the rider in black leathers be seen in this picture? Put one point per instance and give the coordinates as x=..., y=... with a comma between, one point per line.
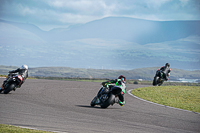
x=165, y=70
x=21, y=71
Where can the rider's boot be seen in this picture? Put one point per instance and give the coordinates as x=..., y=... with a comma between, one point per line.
x=122, y=103
x=119, y=102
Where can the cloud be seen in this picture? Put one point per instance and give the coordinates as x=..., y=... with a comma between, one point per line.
x=87, y=8
x=67, y=12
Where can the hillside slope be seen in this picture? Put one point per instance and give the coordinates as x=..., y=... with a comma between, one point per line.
x=111, y=43
x=141, y=73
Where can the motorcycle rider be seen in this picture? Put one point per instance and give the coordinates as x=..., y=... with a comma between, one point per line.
x=23, y=71
x=165, y=70
x=120, y=81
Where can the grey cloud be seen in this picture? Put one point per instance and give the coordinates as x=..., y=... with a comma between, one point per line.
x=60, y=12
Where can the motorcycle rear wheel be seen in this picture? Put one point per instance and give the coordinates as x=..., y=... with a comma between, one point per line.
x=9, y=88
x=161, y=82
x=108, y=102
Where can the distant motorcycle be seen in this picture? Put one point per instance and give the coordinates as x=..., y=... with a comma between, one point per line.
x=106, y=96
x=12, y=82
x=159, y=78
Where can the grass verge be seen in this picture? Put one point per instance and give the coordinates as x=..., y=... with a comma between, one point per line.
x=13, y=129
x=183, y=97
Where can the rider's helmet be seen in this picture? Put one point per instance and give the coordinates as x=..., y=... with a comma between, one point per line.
x=167, y=65
x=122, y=78
x=25, y=67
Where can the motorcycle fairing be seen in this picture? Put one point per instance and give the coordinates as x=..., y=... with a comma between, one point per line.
x=17, y=78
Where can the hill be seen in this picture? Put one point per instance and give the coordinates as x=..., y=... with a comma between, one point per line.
x=132, y=30
x=111, y=43
x=141, y=73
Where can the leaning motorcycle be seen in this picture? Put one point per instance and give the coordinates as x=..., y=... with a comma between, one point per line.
x=158, y=79
x=12, y=82
x=106, y=96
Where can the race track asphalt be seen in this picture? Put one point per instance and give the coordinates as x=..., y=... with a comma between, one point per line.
x=64, y=106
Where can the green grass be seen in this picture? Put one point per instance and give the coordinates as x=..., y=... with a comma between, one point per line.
x=13, y=129
x=183, y=97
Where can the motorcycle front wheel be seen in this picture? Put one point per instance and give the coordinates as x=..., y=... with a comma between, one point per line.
x=155, y=81
x=93, y=102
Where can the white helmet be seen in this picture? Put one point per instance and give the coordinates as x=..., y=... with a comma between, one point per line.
x=24, y=67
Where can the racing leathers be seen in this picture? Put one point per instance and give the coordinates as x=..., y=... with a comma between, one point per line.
x=20, y=71
x=165, y=70
x=119, y=83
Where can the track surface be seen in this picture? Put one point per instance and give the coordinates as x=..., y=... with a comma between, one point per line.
x=64, y=106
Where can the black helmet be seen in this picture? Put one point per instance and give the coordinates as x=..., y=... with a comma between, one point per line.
x=121, y=76
x=167, y=64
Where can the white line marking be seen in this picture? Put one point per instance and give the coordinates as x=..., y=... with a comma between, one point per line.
x=129, y=92
x=40, y=129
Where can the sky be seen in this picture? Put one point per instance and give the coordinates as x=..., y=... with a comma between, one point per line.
x=49, y=14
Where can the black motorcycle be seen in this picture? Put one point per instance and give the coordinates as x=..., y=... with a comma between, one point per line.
x=159, y=78
x=106, y=96
x=12, y=82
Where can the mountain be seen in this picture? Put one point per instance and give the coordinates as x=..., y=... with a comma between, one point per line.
x=121, y=28
x=132, y=30
x=111, y=43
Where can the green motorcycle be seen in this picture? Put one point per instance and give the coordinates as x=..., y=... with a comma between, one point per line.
x=106, y=96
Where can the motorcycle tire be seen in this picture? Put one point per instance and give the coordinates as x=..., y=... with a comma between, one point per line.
x=159, y=84
x=9, y=88
x=108, y=102
x=93, y=102
x=155, y=81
